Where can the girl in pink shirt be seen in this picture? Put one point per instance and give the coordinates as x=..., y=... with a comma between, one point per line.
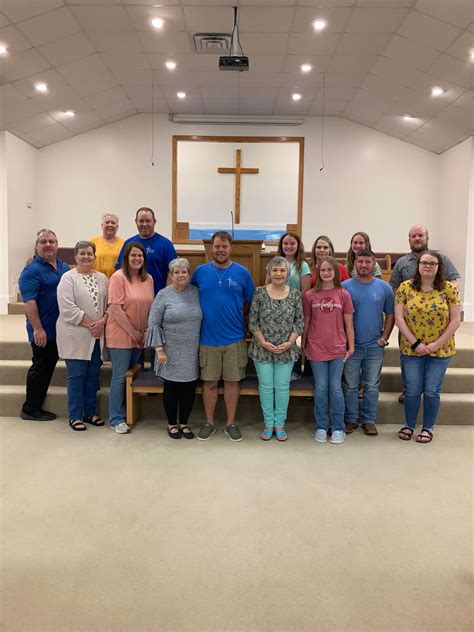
x=328, y=340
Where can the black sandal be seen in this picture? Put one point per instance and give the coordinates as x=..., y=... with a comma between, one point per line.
x=405, y=433
x=425, y=438
x=77, y=425
x=93, y=421
x=186, y=432
x=174, y=432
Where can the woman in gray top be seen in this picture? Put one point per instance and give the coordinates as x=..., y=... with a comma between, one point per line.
x=174, y=326
x=276, y=321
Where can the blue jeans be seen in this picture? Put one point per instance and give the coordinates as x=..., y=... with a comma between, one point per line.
x=327, y=385
x=122, y=360
x=82, y=385
x=363, y=367
x=423, y=375
x=274, y=391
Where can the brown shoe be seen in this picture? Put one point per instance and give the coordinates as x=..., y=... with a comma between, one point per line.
x=370, y=429
x=350, y=427
x=401, y=398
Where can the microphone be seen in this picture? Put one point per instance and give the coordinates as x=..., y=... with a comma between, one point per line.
x=232, y=218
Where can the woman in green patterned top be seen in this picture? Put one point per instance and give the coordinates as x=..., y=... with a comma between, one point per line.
x=276, y=321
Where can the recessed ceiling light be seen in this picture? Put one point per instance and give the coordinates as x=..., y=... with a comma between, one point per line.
x=437, y=91
x=409, y=117
x=69, y=113
x=306, y=67
x=40, y=86
x=3, y=49
x=157, y=23
x=319, y=24
x=171, y=65
x=296, y=96
x=181, y=95
x=471, y=54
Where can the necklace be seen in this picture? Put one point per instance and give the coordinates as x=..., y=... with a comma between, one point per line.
x=220, y=277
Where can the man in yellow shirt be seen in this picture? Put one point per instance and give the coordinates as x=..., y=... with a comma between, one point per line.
x=108, y=245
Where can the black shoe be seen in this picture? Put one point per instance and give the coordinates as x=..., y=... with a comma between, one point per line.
x=38, y=415
x=174, y=432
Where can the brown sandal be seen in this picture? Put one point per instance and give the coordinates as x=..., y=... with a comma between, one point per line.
x=425, y=438
x=405, y=433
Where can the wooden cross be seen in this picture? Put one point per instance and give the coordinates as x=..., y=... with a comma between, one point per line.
x=238, y=170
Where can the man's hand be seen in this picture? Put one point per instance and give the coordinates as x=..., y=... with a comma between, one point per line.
x=39, y=337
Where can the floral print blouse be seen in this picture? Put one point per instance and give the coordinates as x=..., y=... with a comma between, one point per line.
x=90, y=281
x=427, y=316
x=276, y=319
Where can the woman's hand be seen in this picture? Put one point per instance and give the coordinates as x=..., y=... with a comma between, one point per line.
x=138, y=337
x=432, y=347
x=162, y=357
x=348, y=354
x=423, y=349
x=285, y=346
x=269, y=347
x=97, y=327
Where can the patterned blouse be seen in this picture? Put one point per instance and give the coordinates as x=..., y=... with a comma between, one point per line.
x=427, y=316
x=276, y=319
x=90, y=281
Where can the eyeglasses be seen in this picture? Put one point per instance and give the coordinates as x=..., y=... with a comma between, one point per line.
x=429, y=264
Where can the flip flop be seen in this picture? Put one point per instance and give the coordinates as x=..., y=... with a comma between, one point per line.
x=405, y=433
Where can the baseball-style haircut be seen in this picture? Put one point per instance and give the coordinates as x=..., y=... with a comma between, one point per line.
x=221, y=234
x=337, y=276
x=365, y=253
x=148, y=210
x=44, y=231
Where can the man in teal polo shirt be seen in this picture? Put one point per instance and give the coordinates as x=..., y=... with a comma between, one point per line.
x=38, y=286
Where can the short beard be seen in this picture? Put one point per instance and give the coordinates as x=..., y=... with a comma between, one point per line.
x=419, y=248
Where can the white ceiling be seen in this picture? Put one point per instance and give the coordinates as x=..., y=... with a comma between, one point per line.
x=379, y=58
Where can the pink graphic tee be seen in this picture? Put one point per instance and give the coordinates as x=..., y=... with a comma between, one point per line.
x=326, y=339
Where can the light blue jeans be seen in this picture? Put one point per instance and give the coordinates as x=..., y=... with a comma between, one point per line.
x=274, y=391
x=423, y=375
x=364, y=366
x=82, y=385
x=122, y=360
x=327, y=386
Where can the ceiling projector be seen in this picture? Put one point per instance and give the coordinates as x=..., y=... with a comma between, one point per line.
x=236, y=60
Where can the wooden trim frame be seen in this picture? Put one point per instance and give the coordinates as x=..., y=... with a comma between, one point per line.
x=178, y=228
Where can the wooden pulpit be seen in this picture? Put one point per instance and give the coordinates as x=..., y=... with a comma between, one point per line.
x=245, y=252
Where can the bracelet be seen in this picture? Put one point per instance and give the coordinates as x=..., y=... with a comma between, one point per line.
x=415, y=344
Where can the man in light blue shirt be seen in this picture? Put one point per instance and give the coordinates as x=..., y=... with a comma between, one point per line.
x=225, y=291
x=373, y=323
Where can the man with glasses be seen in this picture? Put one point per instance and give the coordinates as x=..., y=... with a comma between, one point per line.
x=38, y=286
x=405, y=268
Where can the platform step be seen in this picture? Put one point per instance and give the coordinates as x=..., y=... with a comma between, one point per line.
x=16, y=308
x=456, y=408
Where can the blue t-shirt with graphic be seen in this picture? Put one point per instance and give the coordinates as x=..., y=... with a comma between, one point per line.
x=223, y=293
x=159, y=252
x=371, y=301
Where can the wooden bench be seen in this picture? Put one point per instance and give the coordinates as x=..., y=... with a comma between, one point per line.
x=139, y=381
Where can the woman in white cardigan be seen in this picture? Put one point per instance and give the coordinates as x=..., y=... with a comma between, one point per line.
x=82, y=299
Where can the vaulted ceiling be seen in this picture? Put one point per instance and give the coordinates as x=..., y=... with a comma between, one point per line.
x=378, y=60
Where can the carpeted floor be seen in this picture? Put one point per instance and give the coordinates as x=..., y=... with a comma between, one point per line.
x=141, y=533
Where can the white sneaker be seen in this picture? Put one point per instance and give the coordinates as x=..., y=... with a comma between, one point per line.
x=338, y=436
x=321, y=435
x=122, y=428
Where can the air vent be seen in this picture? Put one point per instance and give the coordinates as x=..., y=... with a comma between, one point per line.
x=212, y=43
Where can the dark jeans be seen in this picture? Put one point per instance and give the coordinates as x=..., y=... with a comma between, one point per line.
x=82, y=385
x=178, y=396
x=39, y=375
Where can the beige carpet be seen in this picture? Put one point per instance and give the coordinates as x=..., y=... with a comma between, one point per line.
x=142, y=533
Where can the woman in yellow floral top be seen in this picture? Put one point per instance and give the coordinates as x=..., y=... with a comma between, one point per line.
x=427, y=313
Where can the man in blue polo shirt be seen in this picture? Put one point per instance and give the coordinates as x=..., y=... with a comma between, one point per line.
x=373, y=323
x=159, y=250
x=225, y=291
x=38, y=286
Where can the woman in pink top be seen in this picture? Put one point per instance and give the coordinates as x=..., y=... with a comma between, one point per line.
x=130, y=297
x=328, y=340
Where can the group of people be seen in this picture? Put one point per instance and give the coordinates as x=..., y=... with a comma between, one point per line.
x=123, y=296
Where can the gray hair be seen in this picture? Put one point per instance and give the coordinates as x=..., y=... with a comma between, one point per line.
x=83, y=244
x=116, y=217
x=180, y=262
x=45, y=231
x=278, y=261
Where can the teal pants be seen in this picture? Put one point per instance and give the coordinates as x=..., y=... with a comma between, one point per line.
x=274, y=391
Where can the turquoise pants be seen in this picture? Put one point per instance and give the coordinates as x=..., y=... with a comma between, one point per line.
x=274, y=391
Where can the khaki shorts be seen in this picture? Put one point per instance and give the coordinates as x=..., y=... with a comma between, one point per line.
x=227, y=362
